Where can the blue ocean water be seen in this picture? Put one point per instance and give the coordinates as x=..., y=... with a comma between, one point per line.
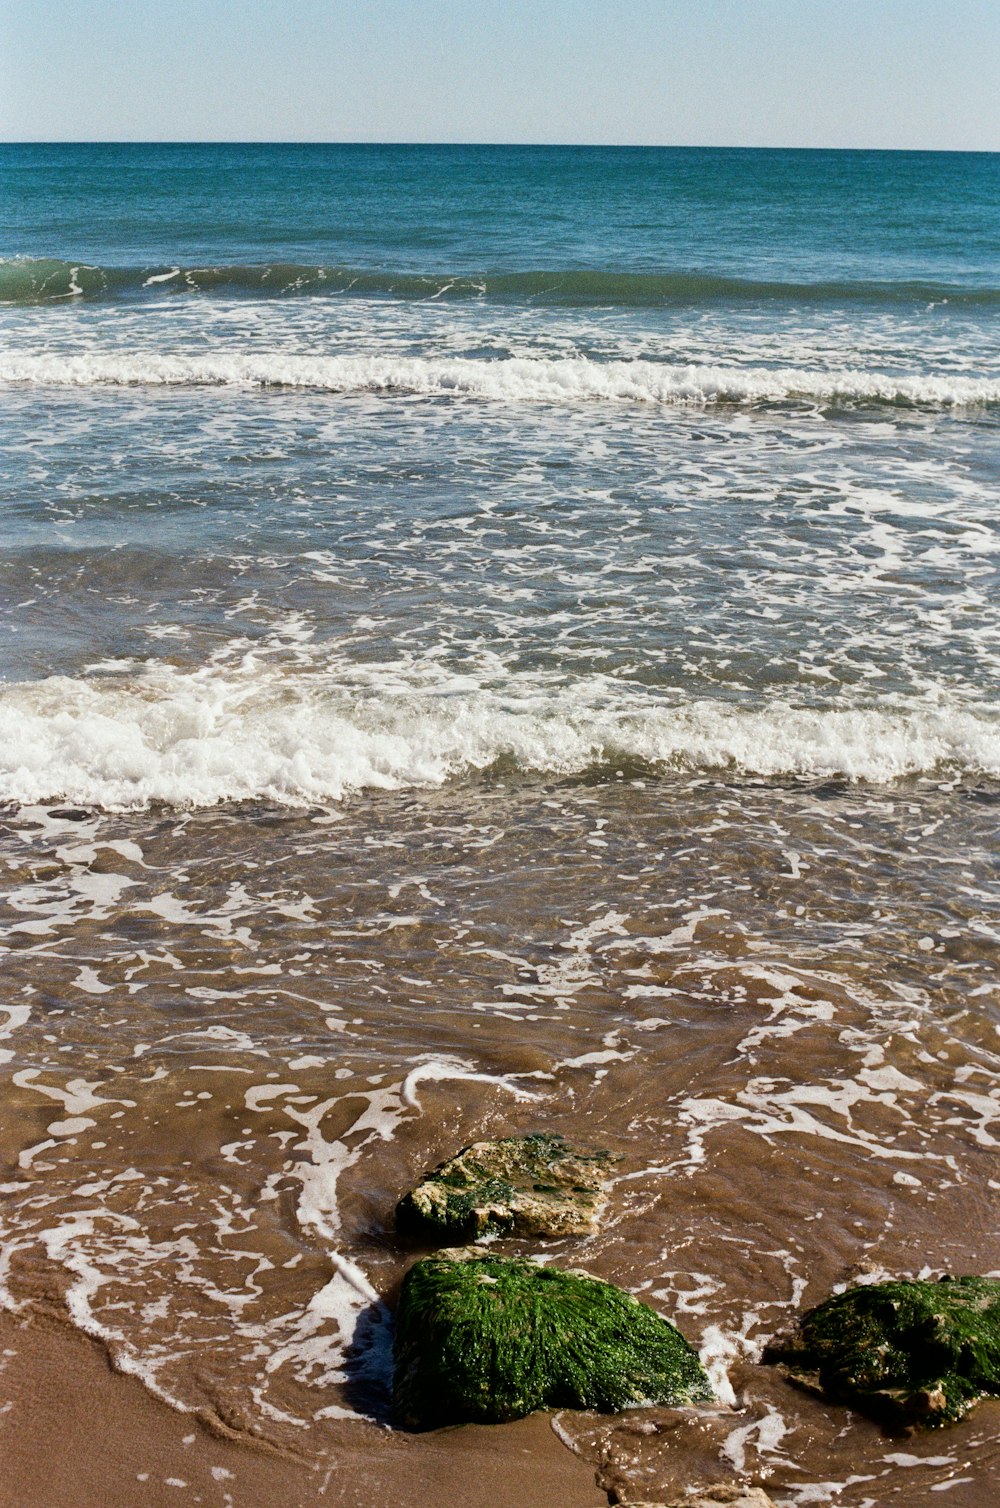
x=495, y=639
x=819, y=219
x=705, y=442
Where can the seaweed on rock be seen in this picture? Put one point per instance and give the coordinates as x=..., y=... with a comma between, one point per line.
x=486, y=1339
x=902, y=1352
x=533, y=1185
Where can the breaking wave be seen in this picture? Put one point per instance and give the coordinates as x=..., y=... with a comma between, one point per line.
x=512, y=379
x=41, y=279
x=194, y=738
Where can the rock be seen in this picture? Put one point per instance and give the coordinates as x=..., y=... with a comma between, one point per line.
x=486, y=1339
x=522, y=1185
x=902, y=1352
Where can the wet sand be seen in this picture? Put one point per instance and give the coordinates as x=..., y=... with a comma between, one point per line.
x=75, y=1434
x=236, y=1037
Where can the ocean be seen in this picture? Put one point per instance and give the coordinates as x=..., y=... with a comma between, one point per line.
x=497, y=639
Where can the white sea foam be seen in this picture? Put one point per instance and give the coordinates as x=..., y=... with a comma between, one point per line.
x=513, y=379
x=258, y=731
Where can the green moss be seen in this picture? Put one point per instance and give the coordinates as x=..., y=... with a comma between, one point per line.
x=903, y=1352
x=485, y=1339
x=521, y=1185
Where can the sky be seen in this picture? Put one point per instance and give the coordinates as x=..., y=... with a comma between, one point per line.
x=808, y=73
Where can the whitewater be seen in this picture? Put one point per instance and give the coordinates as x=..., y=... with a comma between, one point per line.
x=512, y=379
x=196, y=738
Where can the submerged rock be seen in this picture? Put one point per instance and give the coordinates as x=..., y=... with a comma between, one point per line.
x=902, y=1352
x=522, y=1185
x=485, y=1339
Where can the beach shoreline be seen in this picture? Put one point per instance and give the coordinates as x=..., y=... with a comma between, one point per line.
x=491, y=642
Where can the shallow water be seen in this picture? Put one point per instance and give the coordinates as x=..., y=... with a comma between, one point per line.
x=248, y=1031
x=433, y=717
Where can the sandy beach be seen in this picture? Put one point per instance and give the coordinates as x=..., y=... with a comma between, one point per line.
x=76, y=1434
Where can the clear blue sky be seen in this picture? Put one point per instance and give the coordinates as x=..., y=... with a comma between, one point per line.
x=875, y=73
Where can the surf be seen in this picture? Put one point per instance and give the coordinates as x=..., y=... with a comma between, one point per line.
x=503, y=380
x=41, y=280
x=253, y=731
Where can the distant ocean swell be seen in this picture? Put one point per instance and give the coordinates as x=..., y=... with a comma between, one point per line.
x=194, y=738
x=33, y=280
x=513, y=379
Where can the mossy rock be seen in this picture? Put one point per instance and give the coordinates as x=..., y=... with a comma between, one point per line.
x=904, y=1353
x=485, y=1339
x=521, y=1185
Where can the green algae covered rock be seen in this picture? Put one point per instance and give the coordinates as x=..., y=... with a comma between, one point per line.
x=485, y=1339
x=522, y=1185
x=902, y=1352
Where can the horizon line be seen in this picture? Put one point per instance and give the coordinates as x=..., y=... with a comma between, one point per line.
x=590, y=146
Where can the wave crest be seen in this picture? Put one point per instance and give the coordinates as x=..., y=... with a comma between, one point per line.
x=42, y=279
x=511, y=379
x=195, y=738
